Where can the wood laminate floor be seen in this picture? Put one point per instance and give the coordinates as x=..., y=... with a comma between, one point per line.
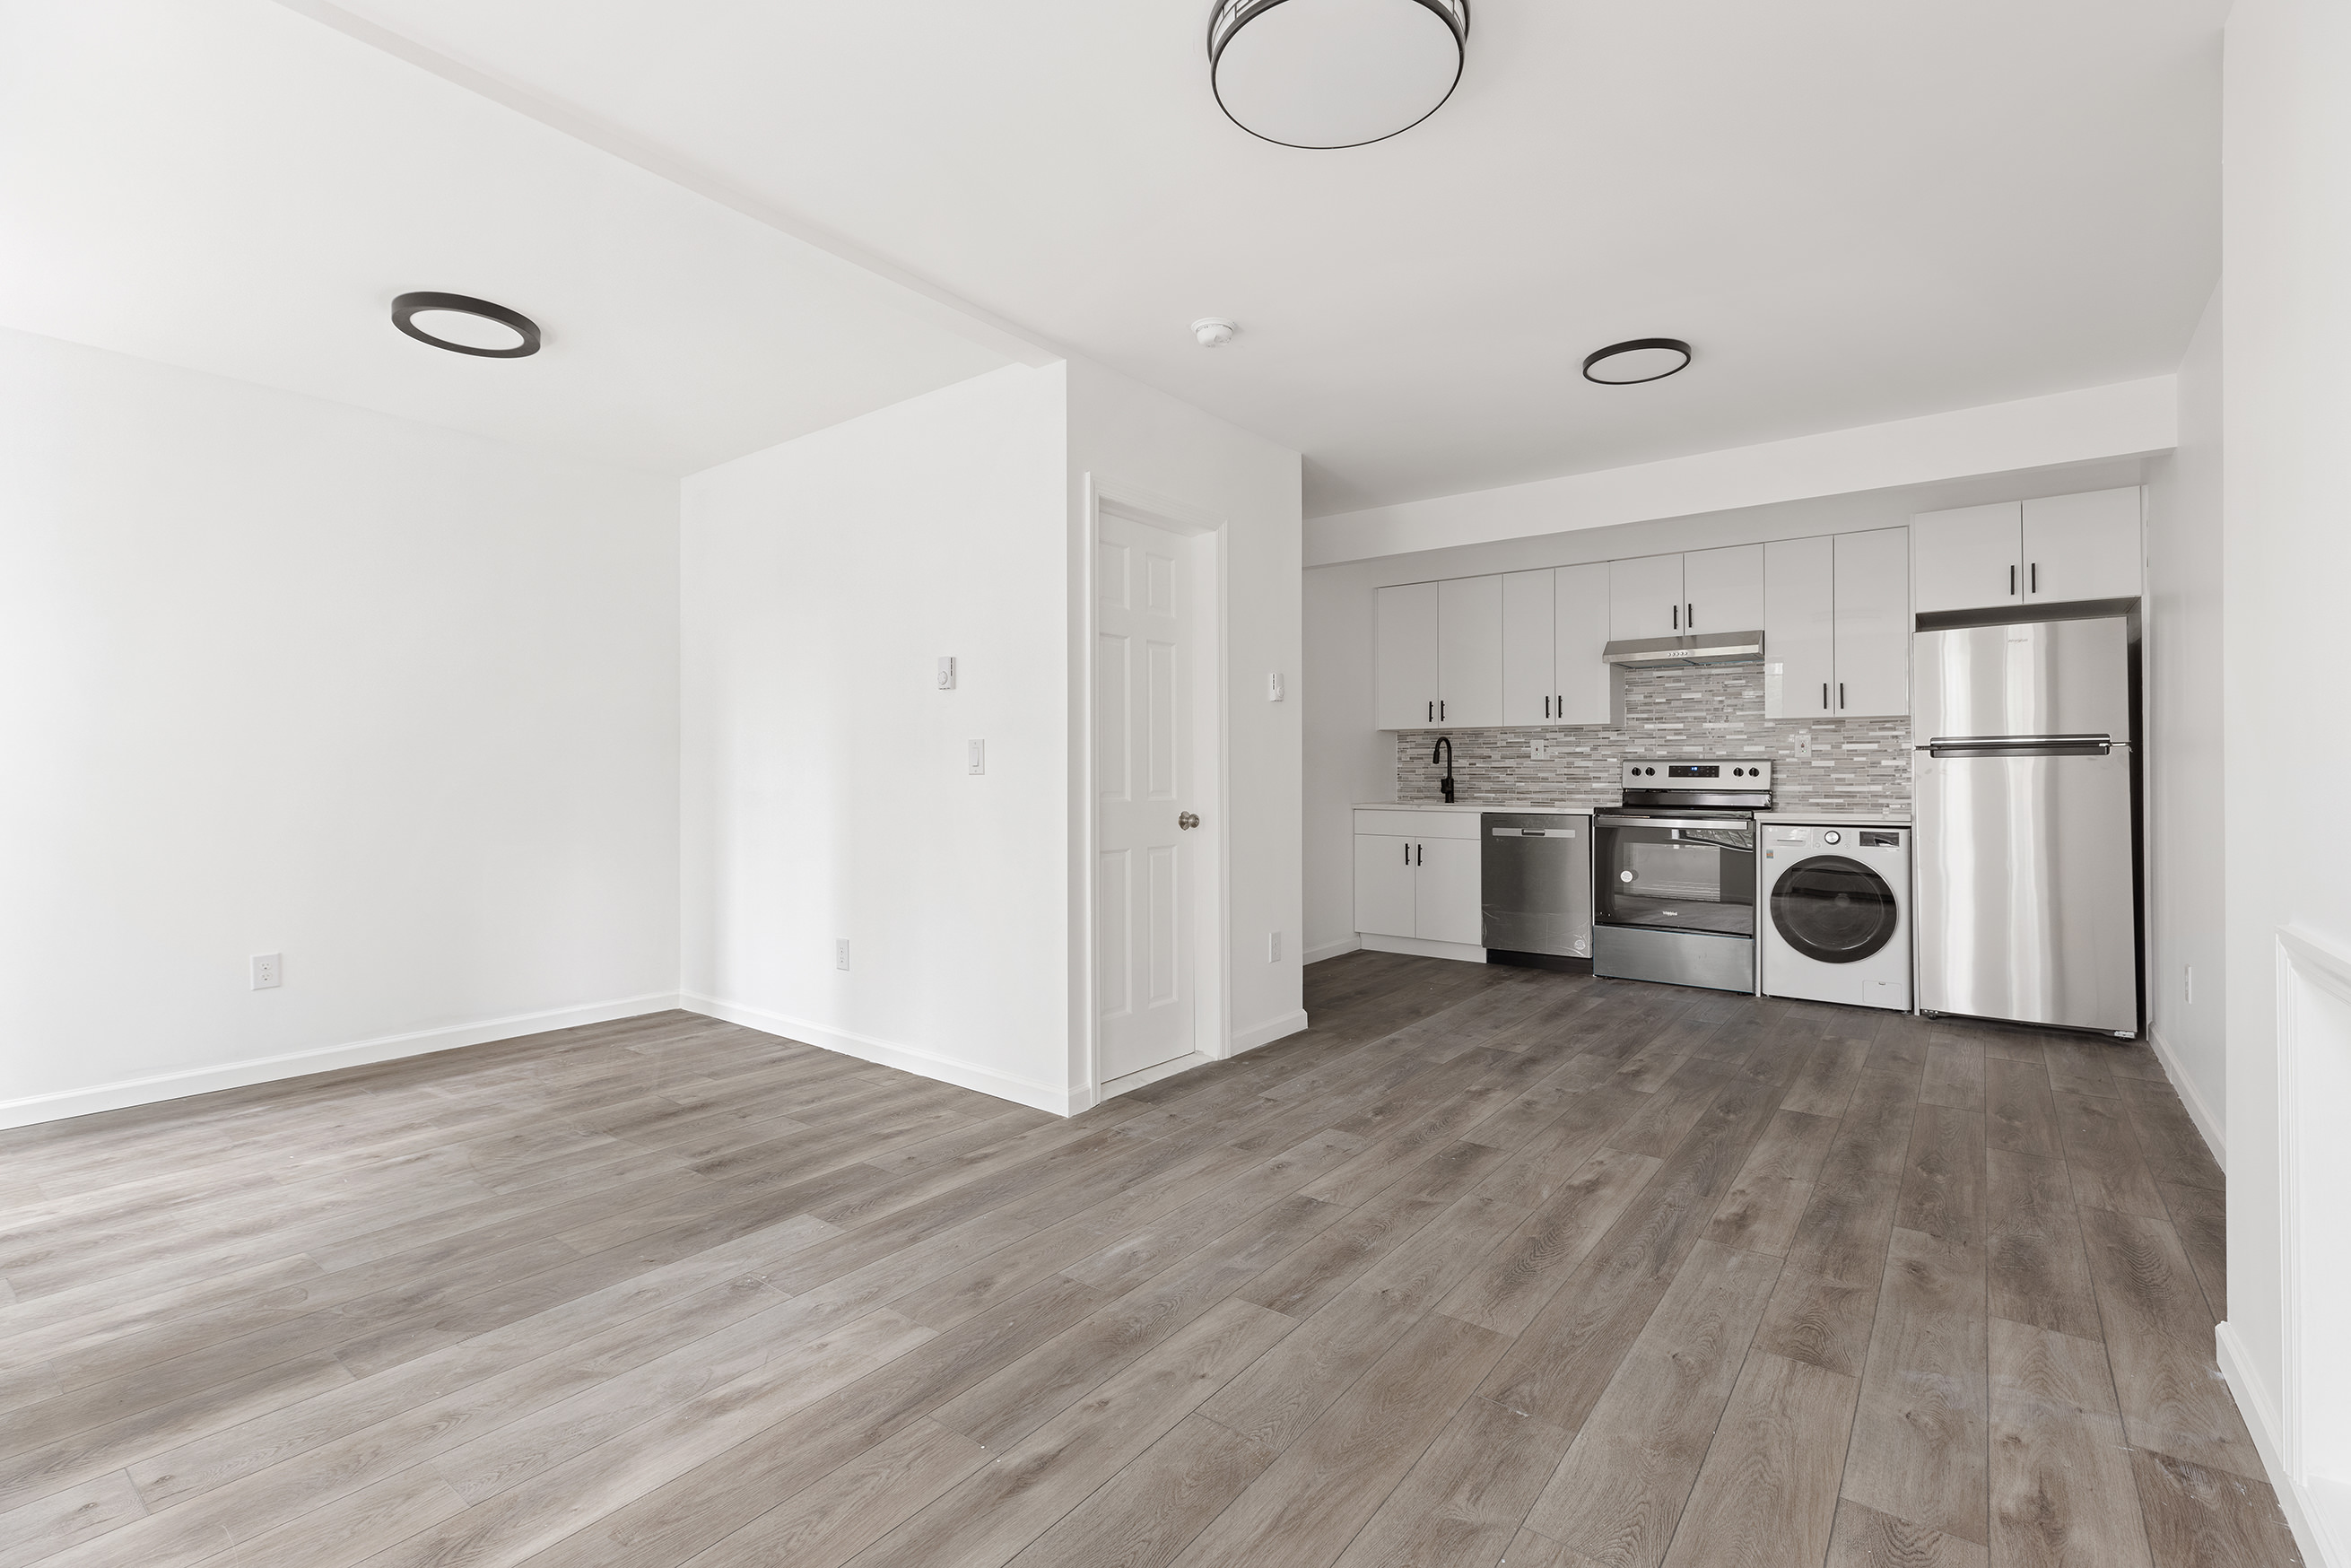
x=1493, y=1265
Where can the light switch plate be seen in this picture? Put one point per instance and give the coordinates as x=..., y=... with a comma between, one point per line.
x=1273, y=687
x=974, y=757
x=947, y=673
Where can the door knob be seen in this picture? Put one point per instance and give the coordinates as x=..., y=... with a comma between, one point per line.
x=1187, y=820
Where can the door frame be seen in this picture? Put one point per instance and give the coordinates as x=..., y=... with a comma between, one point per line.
x=1206, y=533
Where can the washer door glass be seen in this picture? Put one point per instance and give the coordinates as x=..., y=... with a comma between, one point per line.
x=1835, y=910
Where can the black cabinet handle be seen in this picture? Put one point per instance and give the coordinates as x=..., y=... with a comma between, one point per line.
x=1407, y=854
x=1441, y=707
x=2011, y=579
x=1432, y=712
x=1825, y=696
x=2036, y=576
x=1689, y=617
x=1418, y=859
x=1840, y=694
x=1546, y=707
x=1677, y=617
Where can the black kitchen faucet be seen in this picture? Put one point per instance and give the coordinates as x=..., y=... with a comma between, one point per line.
x=1444, y=750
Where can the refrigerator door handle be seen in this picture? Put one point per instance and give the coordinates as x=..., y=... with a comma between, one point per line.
x=2021, y=746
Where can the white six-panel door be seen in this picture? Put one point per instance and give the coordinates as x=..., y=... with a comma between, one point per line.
x=1144, y=979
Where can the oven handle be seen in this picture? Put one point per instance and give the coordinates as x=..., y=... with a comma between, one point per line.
x=1611, y=820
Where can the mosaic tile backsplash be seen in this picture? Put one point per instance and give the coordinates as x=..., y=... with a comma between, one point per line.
x=1818, y=765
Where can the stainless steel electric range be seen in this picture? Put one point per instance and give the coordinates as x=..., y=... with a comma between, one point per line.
x=1673, y=873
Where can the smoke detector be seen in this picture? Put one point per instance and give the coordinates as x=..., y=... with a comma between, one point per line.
x=1213, y=331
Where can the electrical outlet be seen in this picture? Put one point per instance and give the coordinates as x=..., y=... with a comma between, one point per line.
x=1273, y=948
x=1538, y=750
x=840, y=952
x=974, y=757
x=2188, y=983
x=1273, y=687
x=268, y=971
x=947, y=673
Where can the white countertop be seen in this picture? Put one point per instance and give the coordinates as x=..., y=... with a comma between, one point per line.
x=1835, y=819
x=1517, y=807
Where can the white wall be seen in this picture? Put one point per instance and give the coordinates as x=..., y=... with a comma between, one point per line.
x=1125, y=434
x=283, y=676
x=2092, y=425
x=2186, y=929
x=1349, y=760
x=2286, y=560
x=825, y=793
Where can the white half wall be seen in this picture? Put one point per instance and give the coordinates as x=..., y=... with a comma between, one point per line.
x=825, y=796
x=282, y=675
x=2129, y=419
x=2286, y=358
x=2187, y=930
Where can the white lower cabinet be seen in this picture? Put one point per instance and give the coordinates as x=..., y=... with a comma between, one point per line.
x=1383, y=885
x=1446, y=907
x=1425, y=884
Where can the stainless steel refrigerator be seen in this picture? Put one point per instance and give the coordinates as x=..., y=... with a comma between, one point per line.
x=2027, y=885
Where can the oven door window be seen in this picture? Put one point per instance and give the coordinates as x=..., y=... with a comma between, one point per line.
x=1694, y=878
x=1835, y=910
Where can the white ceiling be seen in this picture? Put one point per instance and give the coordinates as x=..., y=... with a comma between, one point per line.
x=226, y=185
x=1856, y=210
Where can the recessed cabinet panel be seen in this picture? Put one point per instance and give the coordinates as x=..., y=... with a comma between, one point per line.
x=1469, y=651
x=1383, y=880
x=2082, y=547
x=1800, y=628
x=1722, y=590
x=1644, y=597
x=1528, y=696
x=1406, y=683
x=1579, y=636
x=1967, y=558
x=1873, y=624
x=1445, y=902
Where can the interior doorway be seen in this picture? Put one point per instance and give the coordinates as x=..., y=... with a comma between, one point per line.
x=1156, y=827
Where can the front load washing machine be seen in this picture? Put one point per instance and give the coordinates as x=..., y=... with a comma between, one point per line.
x=1835, y=923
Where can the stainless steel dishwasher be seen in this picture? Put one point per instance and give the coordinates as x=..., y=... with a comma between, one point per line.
x=1535, y=874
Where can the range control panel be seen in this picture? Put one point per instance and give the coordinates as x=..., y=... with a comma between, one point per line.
x=1740, y=773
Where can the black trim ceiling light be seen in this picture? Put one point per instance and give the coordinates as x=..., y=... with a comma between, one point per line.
x=1639, y=359
x=1335, y=73
x=464, y=325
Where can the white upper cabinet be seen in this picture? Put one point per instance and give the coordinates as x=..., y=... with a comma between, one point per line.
x=1528, y=691
x=1406, y=695
x=1469, y=651
x=1970, y=558
x=1644, y=597
x=1722, y=590
x=2082, y=547
x=1873, y=623
x=1579, y=635
x=1800, y=628
x=2046, y=551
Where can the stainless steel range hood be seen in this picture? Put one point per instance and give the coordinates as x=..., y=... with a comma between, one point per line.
x=1713, y=648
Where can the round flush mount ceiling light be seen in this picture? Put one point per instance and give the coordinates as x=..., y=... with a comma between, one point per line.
x=1640, y=360
x=1335, y=73
x=464, y=325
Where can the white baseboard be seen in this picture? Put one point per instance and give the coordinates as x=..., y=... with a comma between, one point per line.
x=2208, y=1121
x=1334, y=949
x=1282, y=1027
x=1420, y=949
x=1061, y=1101
x=2313, y=1530
x=58, y=1106
x=1142, y=1077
